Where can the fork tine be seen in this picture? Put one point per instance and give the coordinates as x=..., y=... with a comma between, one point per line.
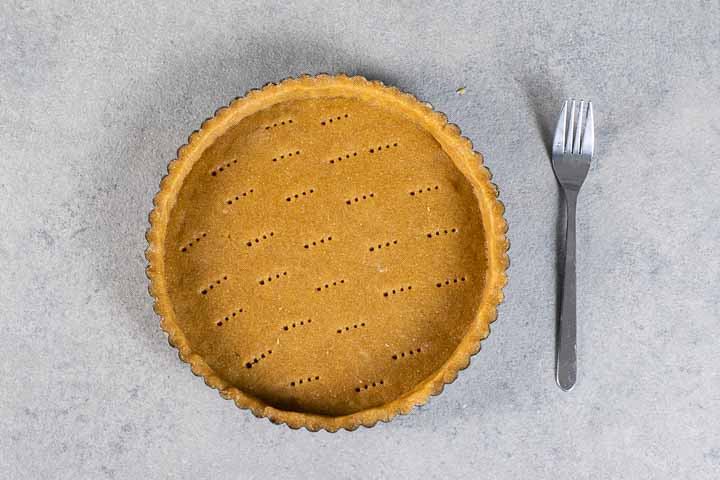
x=571, y=124
x=579, y=128
x=559, y=141
x=588, y=140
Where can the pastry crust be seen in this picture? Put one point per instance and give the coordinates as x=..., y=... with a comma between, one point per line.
x=236, y=361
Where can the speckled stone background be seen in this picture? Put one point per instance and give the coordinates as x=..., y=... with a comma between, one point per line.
x=95, y=98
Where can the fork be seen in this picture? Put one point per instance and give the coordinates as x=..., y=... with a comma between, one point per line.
x=571, y=154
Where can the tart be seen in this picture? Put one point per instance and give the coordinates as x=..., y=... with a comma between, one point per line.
x=327, y=252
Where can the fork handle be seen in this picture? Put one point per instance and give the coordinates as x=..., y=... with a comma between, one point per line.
x=566, y=367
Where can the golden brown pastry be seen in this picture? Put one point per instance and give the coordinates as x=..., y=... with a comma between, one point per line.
x=327, y=252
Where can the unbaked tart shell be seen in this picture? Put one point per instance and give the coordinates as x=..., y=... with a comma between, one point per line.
x=327, y=252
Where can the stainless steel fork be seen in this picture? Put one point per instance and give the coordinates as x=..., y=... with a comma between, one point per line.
x=571, y=154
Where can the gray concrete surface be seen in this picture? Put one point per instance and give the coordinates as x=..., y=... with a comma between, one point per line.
x=96, y=98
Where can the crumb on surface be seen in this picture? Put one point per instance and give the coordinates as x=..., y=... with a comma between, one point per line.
x=460, y=91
